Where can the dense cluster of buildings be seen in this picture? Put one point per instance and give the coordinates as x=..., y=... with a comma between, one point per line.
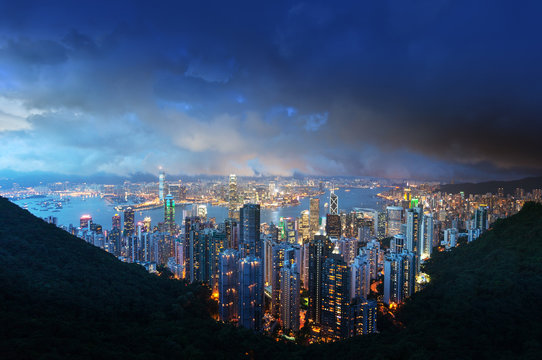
x=327, y=274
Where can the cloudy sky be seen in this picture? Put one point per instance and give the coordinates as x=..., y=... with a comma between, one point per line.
x=407, y=89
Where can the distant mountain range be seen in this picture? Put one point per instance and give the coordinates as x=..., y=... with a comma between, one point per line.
x=61, y=298
x=509, y=187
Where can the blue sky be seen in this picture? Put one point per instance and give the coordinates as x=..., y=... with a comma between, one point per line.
x=406, y=89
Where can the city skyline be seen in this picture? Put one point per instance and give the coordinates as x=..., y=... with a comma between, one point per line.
x=436, y=90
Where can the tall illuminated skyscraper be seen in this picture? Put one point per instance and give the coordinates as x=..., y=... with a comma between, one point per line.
x=169, y=214
x=414, y=230
x=233, y=198
x=428, y=229
x=161, y=185
x=251, y=293
x=360, y=277
x=85, y=221
x=289, y=301
x=319, y=249
x=228, y=283
x=335, y=297
x=399, y=277
x=314, y=217
x=249, y=230
x=129, y=224
x=333, y=203
x=116, y=221
x=394, y=219
x=480, y=218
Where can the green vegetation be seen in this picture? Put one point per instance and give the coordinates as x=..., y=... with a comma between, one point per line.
x=63, y=298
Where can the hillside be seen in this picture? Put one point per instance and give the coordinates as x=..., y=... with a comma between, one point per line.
x=509, y=187
x=63, y=298
x=482, y=302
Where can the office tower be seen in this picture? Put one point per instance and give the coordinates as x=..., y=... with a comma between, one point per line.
x=233, y=198
x=333, y=203
x=314, y=217
x=228, y=283
x=192, y=228
x=413, y=230
x=304, y=230
x=281, y=253
x=333, y=226
x=360, y=277
x=116, y=222
x=231, y=228
x=372, y=249
x=399, y=277
x=428, y=228
x=250, y=293
x=161, y=185
x=249, y=230
x=85, y=221
x=480, y=218
x=169, y=214
x=217, y=244
x=114, y=241
x=289, y=300
x=362, y=317
x=394, y=220
x=319, y=249
x=129, y=223
x=335, y=297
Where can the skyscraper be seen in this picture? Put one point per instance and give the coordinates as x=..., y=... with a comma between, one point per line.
x=333, y=203
x=428, y=228
x=161, y=185
x=414, y=230
x=85, y=221
x=169, y=214
x=360, y=277
x=129, y=223
x=394, y=220
x=333, y=226
x=228, y=283
x=281, y=253
x=289, y=302
x=116, y=221
x=249, y=230
x=314, y=217
x=399, y=277
x=250, y=293
x=319, y=249
x=480, y=218
x=362, y=317
x=335, y=297
x=232, y=197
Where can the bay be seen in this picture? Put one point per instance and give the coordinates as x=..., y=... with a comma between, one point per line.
x=102, y=212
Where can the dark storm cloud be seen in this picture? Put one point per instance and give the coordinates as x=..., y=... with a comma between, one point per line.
x=434, y=89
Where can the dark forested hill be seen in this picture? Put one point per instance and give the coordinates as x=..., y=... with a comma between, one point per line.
x=63, y=298
x=509, y=187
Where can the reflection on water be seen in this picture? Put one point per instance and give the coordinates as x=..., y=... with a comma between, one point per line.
x=101, y=212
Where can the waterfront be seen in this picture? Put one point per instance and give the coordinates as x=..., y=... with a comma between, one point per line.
x=102, y=212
